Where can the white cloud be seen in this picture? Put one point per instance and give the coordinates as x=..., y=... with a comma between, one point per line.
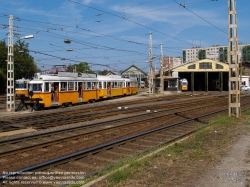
x=87, y=2
x=36, y=12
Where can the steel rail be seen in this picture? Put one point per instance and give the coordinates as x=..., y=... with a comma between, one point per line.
x=45, y=122
x=18, y=139
x=94, y=131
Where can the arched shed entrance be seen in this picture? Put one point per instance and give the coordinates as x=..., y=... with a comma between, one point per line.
x=204, y=75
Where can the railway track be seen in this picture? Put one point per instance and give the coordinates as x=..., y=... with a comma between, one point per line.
x=3, y=102
x=103, y=155
x=53, y=119
x=92, y=160
x=89, y=132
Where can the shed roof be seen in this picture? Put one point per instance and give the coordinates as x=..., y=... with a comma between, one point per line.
x=205, y=65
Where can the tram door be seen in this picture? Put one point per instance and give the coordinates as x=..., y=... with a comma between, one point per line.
x=109, y=89
x=128, y=88
x=56, y=92
x=80, y=90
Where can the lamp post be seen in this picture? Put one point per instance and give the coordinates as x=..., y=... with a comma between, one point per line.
x=10, y=100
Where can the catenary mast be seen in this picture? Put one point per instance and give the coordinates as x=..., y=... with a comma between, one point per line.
x=10, y=101
x=233, y=60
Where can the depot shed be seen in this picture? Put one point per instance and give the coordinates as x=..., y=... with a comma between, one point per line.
x=203, y=75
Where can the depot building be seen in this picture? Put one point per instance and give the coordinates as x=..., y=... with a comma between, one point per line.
x=204, y=75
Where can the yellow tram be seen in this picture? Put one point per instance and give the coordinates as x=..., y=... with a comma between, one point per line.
x=183, y=84
x=22, y=87
x=66, y=88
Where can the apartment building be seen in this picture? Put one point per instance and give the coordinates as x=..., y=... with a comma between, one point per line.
x=216, y=52
x=171, y=62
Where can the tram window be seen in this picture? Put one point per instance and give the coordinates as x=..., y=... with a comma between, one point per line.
x=20, y=85
x=52, y=86
x=88, y=85
x=25, y=84
x=63, y=86
x=35, y=87
x=104, y=85
x=71, y=85
x=76, y=87
x=120, y=84
x=84, y=86
x=93, y=85
x=115, y=84
x=100, y=85
x=46, y=87
x=112, y=84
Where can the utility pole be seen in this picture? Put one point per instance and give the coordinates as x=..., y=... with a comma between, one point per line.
x=10, y=101
x=233, y=60
x=150, y=75
x=161, y=72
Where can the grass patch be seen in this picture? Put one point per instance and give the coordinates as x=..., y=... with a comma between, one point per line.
x=121, y=175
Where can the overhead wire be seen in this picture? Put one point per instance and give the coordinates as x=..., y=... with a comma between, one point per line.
x=95, y=46
x=130, y=21
x=185, y=7
x=88, y=30
x=115, y=48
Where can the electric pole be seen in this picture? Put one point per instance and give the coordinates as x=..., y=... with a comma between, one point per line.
x=233, y=52
x=150, y=75
x=161, y=72
x=10, y=101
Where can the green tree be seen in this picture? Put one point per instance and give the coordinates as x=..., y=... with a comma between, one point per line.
x=24, y=66
x=202, y=54
x=3, y=66
x=223, y=54
x=246, y=53
x=70, y=68
x=103, y=72
x=24, y=62
x=184, y=56
x=83, y=67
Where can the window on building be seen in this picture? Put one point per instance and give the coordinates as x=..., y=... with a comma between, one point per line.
x=192, y=66
x=205, y=65
x=172, y=83
x=218, y=66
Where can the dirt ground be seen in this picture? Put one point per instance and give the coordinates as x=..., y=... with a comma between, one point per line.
x=233, y=170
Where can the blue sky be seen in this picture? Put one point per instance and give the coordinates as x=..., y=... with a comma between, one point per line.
x=113, y=34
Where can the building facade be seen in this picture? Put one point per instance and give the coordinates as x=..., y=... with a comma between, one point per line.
x=171, y=62
x=216, y=52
